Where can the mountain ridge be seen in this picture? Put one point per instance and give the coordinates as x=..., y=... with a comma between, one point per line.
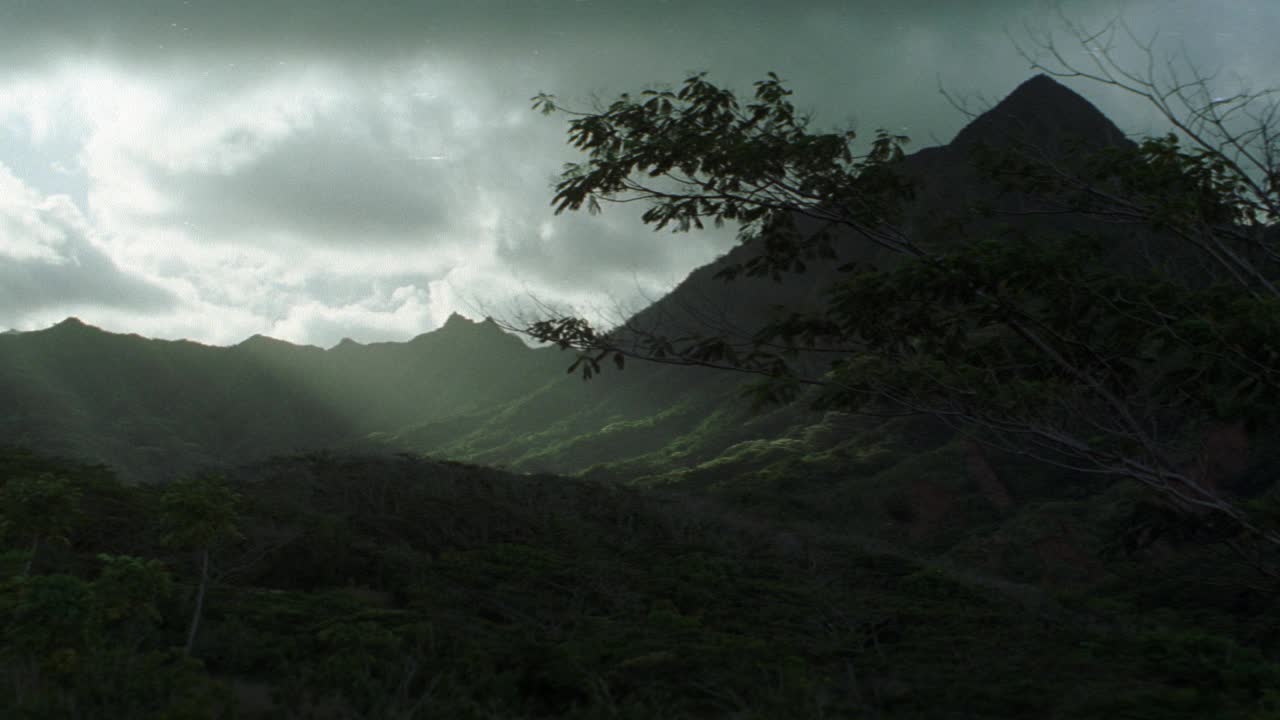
x=157, y=408
x=1039, y=103
x=946, y=186
x=471, y=391
x=455, y=323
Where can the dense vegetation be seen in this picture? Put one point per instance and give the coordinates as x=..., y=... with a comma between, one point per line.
x=394, y=587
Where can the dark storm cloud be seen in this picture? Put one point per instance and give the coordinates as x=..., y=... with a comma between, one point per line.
x=327, y=185
x=47, y=261
x=849, y=50
x=859, y=59
x=163, y=28
x=84, y=277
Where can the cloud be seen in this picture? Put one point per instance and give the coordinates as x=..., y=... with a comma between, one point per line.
x=321, y=168
x=328, y=185
x=313, y=156
x=605, y=254
x=243, y=202
x=50, y=261
x=389, y=313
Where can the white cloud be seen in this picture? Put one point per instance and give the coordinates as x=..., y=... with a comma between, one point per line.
x=388, y=313
x=50, y=260
x=248, y=196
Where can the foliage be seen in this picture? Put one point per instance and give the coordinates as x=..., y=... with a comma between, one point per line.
x=199, y=512
x=402, y=588
x=39, y=508
x=127, y=596
x=76, y=648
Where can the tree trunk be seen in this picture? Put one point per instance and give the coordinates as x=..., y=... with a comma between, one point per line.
x=31, y=559
x=195, y=615
x=989, y=483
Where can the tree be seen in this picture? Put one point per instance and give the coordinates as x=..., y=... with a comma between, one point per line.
x=198, y=513
x=39, y=508
x=43, y=641
x=1046, y=345
x=126, y=597
x=72, y=648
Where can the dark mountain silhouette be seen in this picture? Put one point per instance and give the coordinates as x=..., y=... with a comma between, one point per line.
x=1040, y=117
x=1041, y=120
x=1041, y=113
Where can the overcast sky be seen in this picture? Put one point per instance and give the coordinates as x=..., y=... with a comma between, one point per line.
x=320, y=169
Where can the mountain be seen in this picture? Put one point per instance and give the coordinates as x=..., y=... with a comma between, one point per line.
x=1041, y=117
x=471, y=392
x=641, y=419
x=157, y=408
x=1045, y=114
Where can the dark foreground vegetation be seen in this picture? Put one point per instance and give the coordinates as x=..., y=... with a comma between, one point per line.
x=392, y=587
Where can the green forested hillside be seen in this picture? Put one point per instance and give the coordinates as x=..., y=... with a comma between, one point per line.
x=395, y=587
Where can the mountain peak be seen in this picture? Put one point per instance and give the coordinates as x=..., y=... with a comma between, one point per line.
x=461, y=322
x=460, y=326
x=73, y=325
x=1045, y=114
x=258, y=340
x=456, y=321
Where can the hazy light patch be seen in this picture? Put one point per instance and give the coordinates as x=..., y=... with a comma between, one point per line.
x=141, y=130
x=394, y=314
x=602, y=251
x=28, y=104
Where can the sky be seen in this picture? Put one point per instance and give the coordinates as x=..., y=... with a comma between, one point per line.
x=313, y=170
